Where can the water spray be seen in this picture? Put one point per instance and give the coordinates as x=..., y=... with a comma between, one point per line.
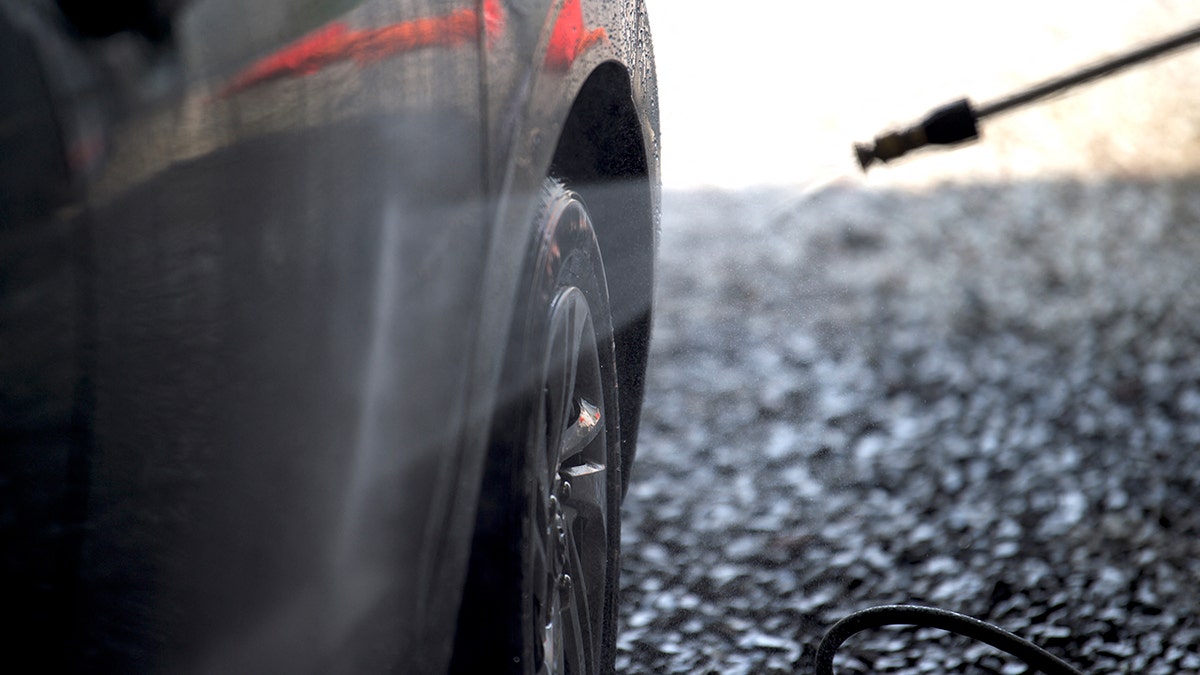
x=957, y=123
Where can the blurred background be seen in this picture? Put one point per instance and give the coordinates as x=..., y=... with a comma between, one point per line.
x=970, y=379
x=775, y=92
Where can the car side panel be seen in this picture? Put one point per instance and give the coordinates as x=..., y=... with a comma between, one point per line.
x=270, y=285
x=271, y=264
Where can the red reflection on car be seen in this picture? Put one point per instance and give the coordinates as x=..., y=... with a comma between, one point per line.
x=570, y=37
x=337, y=42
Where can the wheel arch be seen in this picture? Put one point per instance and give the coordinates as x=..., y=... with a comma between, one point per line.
x=601, y=152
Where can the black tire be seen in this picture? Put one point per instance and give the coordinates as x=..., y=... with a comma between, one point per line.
x=542, y=588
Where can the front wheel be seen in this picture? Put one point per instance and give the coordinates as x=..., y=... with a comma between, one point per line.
x=542, y=590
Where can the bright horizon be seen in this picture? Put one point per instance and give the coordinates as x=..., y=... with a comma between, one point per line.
x=776, y=92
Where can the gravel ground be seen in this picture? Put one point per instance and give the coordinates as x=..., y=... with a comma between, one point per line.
x=981, y=397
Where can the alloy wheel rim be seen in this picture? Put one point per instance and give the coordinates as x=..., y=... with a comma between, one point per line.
x=571, y=498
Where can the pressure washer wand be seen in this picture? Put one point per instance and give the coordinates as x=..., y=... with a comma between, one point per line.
x=958, y=122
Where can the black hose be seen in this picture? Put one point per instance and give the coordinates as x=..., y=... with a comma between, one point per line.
x=908, y=615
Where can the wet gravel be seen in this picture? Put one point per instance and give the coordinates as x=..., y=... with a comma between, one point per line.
x=979, y=397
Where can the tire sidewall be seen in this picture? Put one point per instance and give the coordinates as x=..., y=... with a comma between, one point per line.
x=565, y=254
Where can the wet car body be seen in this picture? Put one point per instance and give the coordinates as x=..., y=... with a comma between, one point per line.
x=259, y=267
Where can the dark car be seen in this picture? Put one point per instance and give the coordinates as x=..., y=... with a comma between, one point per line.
x=323, y=326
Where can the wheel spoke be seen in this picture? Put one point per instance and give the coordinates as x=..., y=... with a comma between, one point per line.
x=544, y=467
x=578, y=322
x=569, y=316
x=588, y=501
x=582, y=431
x=569, y=355
x=557, y=404
x=578, y=608
x=544, y=566
x=551, y=626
